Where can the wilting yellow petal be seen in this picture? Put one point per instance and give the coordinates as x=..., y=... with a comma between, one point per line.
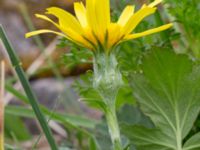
x=33, y=33
x=156, y=2
x=148, y=32
x=80, y=12
x=137, y=18
x=66, y=20
x=126, y=15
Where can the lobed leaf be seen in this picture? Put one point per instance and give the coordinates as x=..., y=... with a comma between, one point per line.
x=168, y=92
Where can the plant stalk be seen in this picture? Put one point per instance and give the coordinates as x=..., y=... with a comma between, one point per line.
x=107, y=81
x=27, y=88
x=113, y=128
x=2, y=86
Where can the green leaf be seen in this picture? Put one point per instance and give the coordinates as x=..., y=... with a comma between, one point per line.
x=102, y=136
x=126, y=113
x=168, y=91
x=70, y=120
x=148, y=139
x=12, y=129
x=93, y=144
x=193, y=143
x=84, y=86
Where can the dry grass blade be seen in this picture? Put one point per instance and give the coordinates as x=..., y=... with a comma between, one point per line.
x=2, y=84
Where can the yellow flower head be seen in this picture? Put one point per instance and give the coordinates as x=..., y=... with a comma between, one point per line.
x=92, y=26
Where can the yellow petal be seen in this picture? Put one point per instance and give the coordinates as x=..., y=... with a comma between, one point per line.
x=98, y=16
x=47, y=19
x=91, y=15
x=92, y=18
x=73, y=36
x=88, y=34
x=43, y=31
x=66, y=20
x=148, y=32
x=69, y=33
x=102, y=8
x=156, y=2
x=103, y=17
x=113, y=34
x=80, y=12
x=76, y=37
x=126, y=15
x=137, y=18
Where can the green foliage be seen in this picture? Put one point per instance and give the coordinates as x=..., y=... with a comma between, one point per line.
x=70, y=120
x=187, y=13
x=168, y=92
x=88, y=94
x=166, y=86
x=12, y=129
x=102, y=136
x=126, y=113
x=77, y=55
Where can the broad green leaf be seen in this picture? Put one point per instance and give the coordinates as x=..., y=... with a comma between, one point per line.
x=193, y=143
x=102, y=136
x=126, y=113
x=148, y=139
x=168, y=91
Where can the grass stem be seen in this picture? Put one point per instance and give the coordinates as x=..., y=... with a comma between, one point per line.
x=2, y=87
x=27, y=88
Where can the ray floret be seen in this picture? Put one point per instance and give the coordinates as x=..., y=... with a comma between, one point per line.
x=91, y=27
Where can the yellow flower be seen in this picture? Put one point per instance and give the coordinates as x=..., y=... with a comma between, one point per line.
x=92, y=26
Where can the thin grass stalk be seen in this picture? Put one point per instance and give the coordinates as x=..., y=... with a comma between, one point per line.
x=2, y=85
x=27, y=88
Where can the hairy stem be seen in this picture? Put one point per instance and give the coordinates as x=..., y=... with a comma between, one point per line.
x=107, y=81
x=113, y=128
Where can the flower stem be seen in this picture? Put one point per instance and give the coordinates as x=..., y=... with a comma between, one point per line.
x=113, y=127
x=107, y=81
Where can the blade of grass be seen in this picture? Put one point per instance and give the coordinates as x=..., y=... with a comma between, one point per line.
x=74, y=120
x=2, y=81
x=70, y=120
x=27, y=88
